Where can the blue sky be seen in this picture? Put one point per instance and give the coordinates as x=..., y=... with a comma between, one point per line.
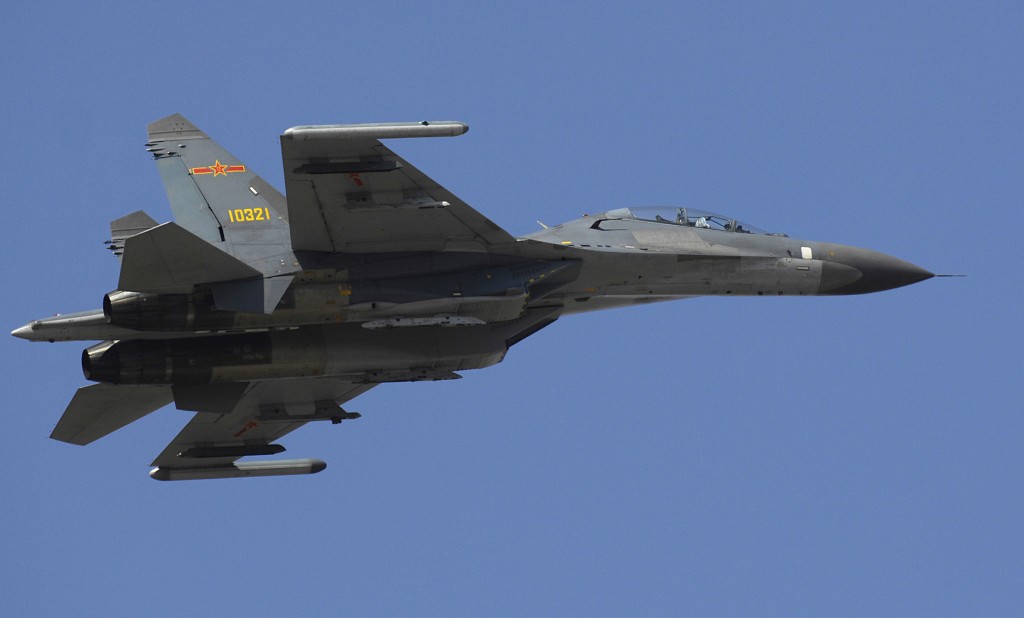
x=743, y=456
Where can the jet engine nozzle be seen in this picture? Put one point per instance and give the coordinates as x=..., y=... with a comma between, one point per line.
x=101, y=362
x=128, y=362
x=147, y=311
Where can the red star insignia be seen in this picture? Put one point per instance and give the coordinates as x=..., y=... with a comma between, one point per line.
x=218, y=168
x=247, y=427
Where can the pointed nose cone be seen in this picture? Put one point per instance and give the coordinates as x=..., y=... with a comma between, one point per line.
x=878, y=271
x=25, y=332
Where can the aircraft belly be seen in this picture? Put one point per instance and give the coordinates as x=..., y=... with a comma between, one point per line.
x=486, y=308
x=351, y=350
x=662, y=277
x=599, y=303
x=356, y=349
x=329, y=350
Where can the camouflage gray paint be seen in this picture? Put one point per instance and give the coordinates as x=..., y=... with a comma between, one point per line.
x=262, y=313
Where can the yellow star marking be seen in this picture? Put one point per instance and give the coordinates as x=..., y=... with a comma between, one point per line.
x=218, y=168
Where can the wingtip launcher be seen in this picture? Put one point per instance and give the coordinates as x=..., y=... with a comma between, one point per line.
x=445, y=128
x=240, y=469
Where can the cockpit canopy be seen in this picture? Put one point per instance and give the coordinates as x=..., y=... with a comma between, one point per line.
x=690, y=217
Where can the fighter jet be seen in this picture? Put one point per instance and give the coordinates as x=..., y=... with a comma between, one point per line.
x=261, y=313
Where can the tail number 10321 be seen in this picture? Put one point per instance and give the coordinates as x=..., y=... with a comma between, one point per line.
x=241, y=215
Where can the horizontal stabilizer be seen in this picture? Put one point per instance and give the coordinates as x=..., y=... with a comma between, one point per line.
x=168, y=258
x=100, y=409
x=251, y=295
x=126, y=227
x=130, y=225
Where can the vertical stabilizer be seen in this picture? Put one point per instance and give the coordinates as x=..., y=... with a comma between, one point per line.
x=216, y=197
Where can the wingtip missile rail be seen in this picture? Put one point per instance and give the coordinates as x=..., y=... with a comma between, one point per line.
x=446, y=128
x=240, y=469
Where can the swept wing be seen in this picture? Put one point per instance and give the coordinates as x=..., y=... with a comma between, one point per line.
x=239, y=419
x=348, y=193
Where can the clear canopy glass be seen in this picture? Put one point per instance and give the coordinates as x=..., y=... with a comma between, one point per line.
x=689, y=217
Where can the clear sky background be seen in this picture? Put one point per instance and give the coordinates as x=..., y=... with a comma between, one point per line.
x=724, y=456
